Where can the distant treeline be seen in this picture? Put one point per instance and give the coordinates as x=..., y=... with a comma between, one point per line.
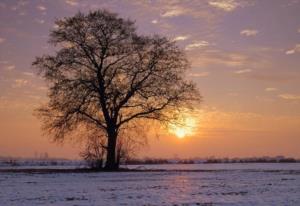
x=279, y=159
x=15, y=162
x=150, y=161
x=9, y=161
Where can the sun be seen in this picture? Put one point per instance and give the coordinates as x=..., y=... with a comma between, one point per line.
x=185, y=126
x=180, y=132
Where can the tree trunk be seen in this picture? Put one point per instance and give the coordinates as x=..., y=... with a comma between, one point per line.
x=111, y=163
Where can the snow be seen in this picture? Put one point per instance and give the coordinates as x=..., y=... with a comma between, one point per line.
x=205, y=184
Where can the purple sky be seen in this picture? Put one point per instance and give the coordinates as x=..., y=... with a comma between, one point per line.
x=245, y=58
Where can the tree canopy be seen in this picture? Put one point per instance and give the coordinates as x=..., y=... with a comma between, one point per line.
x=107, y=75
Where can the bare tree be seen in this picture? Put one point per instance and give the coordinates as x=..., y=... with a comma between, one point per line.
x=105, y=74
x=94, y=152
x=131, y=139
x=95, y=148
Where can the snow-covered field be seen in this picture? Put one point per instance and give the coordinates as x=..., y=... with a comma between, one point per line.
x=205, y=184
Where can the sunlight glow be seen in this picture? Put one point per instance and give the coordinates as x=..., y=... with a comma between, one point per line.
x=184, y=126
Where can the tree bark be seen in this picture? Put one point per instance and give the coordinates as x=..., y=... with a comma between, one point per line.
x=111, y=163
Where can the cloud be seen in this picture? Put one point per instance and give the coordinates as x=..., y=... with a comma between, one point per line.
x=9, y=67
x=199, y=74
x=298, y=30
x=225, y=5
x=294, y=50
x=242, y=71
x=181, y=38
x=207, y=57
x=72, y=2
x=289, y=96
x=194, y=9
x=3, y=62
x=271, y=89
x=154, y=21
x=41, y=8
x=19, y=83
x=28, y=74
x=22, y=13
x=40, y=21
x=2, y=40
x=271, y=77
x=176, y=11
x=42, y=88
x=249, y=32
x=198, y=44
x=19, y=5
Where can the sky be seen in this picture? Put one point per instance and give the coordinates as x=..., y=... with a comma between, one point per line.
x=244, y=55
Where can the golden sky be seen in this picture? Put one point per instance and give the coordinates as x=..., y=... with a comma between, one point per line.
x=245, y=58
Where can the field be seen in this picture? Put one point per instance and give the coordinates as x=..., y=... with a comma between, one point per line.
x=201, y=184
